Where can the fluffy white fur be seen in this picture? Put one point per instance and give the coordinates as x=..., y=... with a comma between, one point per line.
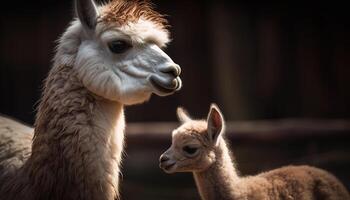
x=146, y=31
x=103, y=73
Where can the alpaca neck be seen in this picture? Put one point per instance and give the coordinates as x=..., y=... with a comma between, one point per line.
x=78, y=138
x=220, y=180
x=77, y=143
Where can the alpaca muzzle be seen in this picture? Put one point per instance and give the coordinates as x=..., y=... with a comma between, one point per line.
x=165, y=163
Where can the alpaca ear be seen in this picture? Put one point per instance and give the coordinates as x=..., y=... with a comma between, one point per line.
x=87, y=13
x=216, y=124
x=182, y=115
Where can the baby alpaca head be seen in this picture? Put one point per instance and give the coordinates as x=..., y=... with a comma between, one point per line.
x=193, y=143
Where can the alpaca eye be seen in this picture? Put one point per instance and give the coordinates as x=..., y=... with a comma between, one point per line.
x=119, y=46
x=189, y=150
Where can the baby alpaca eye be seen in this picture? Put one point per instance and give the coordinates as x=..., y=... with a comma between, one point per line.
x=189, y=150
x=119, y=46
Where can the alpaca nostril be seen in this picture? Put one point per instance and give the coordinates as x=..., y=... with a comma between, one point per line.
x=174, y=70
x=163, y=158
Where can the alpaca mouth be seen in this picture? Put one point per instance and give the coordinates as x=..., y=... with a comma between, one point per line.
x=166, y=167
x=166, y=86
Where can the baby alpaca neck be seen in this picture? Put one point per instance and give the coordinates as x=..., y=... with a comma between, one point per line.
x=220, y=180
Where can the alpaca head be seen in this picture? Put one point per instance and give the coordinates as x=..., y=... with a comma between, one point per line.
x=193, y=143
x=119, y=55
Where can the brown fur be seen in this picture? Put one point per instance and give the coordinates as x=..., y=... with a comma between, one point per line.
x=216, y=176
x=221, y=181
x=126, y=11
x=73, y=155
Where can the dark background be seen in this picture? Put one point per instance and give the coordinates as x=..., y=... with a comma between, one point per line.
x=257, y=61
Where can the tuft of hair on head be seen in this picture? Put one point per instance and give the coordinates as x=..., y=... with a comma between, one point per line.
x=215, y=123
x=125, y=11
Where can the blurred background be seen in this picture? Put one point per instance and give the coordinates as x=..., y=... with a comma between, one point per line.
x=279, y=71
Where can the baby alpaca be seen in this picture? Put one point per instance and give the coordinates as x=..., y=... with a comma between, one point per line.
x=198, y=146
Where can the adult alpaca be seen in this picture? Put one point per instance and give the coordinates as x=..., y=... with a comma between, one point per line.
x=109, y=57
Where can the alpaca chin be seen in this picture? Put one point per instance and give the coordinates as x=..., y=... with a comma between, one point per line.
x=139, y=99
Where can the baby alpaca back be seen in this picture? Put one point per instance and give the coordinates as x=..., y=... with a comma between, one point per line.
x=295, y=182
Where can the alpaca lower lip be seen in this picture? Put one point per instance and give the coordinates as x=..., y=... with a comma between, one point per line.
x=166, y=87
x=179, y=84
x=166, y=167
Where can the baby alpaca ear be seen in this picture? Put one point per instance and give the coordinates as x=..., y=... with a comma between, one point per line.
x=216, y=124
x=182, y=115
